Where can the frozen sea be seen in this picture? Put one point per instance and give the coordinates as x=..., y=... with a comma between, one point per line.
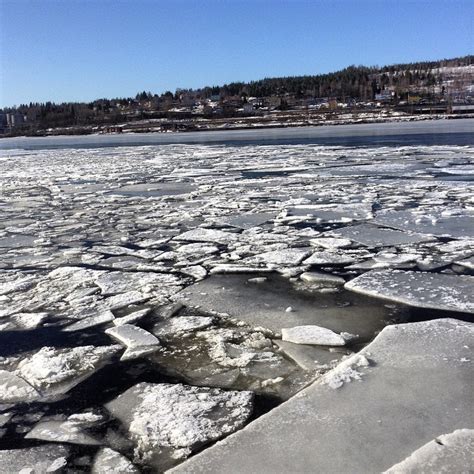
x=159, y=293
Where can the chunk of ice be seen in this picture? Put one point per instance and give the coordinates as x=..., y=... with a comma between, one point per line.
x=176, y=419
x=137, y=340
x=14, y=389
x=56, y=371
x=316, y=335
x=108, y=461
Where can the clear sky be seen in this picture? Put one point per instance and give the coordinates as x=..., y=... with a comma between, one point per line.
x=74, y=50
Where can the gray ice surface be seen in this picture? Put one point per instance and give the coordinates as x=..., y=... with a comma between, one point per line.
x=421, y=289
x=374, y=236
x=452, y=452
x=368, y=424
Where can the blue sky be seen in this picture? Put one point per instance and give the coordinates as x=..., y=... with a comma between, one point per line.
x=66, y=50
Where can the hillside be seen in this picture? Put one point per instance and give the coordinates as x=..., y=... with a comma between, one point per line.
x=447, y=81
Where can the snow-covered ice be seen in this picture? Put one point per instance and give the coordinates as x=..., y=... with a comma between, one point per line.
x=56, y=371
x=312, y=335
x=182, y=324
x=167, y=422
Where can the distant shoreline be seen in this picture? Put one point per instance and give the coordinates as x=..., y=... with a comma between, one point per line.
x=425, y=132
x=148, y=128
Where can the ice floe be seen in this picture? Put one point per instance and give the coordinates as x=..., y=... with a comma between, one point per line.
x=425, y=290
x=109, y=461
x=45, y=458
x=137, y=340
x=313, y=335
x=182, y=324
x=14, y=389
x=374, y=236
x=167, y=422
x=55, y=371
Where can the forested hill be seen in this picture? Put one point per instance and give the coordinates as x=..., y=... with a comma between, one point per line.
x=435, y=82
x=358, y=82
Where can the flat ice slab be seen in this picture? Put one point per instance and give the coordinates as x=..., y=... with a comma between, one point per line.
x=416, y=385
x=61, y=431
x=373, y=236
x=182, y=324
x=424, y=290
x=281, y=257
x=453, y=452
x=450, y=226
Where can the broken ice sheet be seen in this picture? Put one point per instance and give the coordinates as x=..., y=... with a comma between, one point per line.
x=424, y=290
x=329, y=258
x=16, y=282
x=207, y=235
x=64, y=231
x=345, y=213
x=181, y=324
x=246, y=221
x=452, y=226
x=419, y=359
x=231, y=358
x=155, y=189
x=90, y=321
x=320, y=278
x=168, y=422
x=316, y=335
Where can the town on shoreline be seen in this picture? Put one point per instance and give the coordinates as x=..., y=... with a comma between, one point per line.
x=357, y=94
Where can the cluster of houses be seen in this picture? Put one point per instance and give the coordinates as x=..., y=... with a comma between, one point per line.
x=447, y=97
x=11, y=120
